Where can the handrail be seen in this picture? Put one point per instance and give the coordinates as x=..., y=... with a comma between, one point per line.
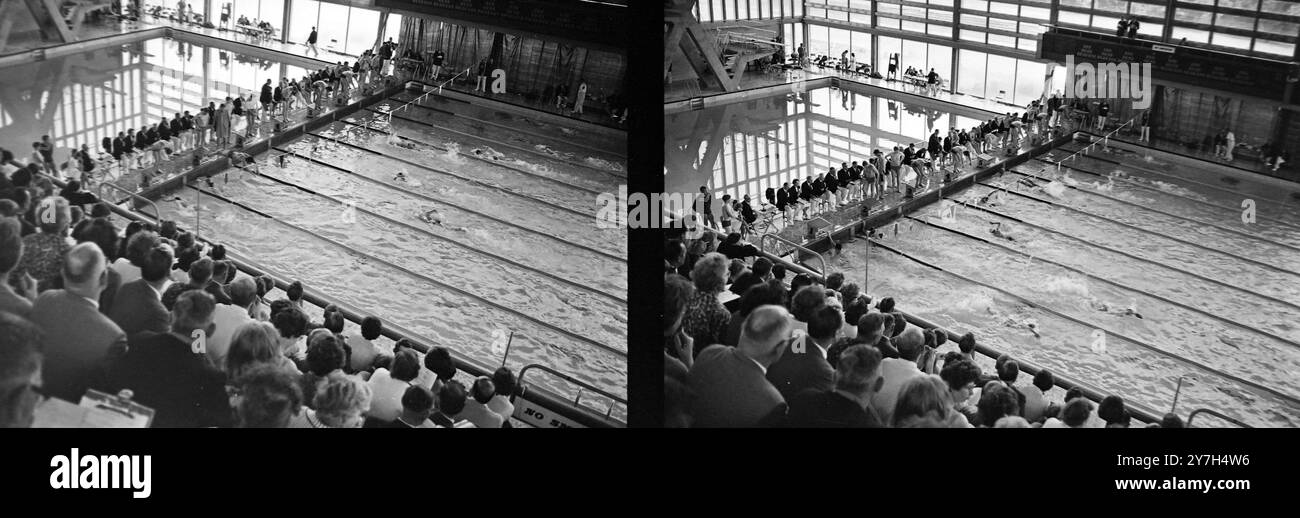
x=157, y=214
x=763, y=239
x=1215, y=414
x=613, y=398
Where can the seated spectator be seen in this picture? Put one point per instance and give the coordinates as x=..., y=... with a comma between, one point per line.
x=897, y=371
x=1112, y=411
x=679, y=348
x=854, y=309
x=229, y=317
x=387, y=386
x=706, y=318
x=291, y=323
x=504, y=381
x=11, y=252
x=961, y=376
x=295, y=293
x=139, y=304
x=871, y=330
x=803, y=303
x=102, y=232
x=451, y=401
x=165, y=374
x=417, y=406
x=1035, y=403
x=733, y=248
x=325, y=360
x=43, y=252
x=20, y=370
x=996, y=402
x=923, y=403
x=730, y=384
x=260, y=310
x=772, y=293
x=364, y=352
x=138, y=246
x=78, y=338
x=1171, y=420
x=848, y=405
x=760, y=273
x=438, y=368
x=1074, y=415
x=267, y=397
x=253, y=344
x=804, y=365
x=340, y=402
x=966, y=344
x=736, y=269
x=200, y=273
x=476, y=410
x=1008, y=373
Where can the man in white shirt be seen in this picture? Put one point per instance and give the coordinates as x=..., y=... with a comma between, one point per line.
x=897, y=371
x=504, y=381
x=362, y=343
x=228, y=318
x=476, y=410
x=387, y=387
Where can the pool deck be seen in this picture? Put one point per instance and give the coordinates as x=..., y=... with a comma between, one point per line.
x=848, y=221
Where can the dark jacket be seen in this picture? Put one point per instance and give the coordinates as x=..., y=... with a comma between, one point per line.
x=829, y=409
x=180, y=385
x=78, y=341
x=137, y=308
x=798, y=371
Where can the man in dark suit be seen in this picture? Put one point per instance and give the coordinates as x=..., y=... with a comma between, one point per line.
x=848, y=404
x=78, y=338
x=759, y=273
x=139, y=304
x=804, y=365
x=119, y=146
x=730, y=384
x=166, y=374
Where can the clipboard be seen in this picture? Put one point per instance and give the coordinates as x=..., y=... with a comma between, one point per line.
x=96, y=410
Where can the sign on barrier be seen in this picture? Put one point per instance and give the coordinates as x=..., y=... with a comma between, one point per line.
x=534, y=414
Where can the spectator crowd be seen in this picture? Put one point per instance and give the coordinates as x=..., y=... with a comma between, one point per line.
x=809, y=352
x=149, y=309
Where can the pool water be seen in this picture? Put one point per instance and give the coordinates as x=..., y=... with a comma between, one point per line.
x=1218, y=298
x=516, y=248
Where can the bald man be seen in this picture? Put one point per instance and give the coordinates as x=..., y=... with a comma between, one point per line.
x=898, y=371
x=78, y=338
x=731, y=385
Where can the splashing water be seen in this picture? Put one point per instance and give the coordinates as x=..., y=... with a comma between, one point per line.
x=547, y=149
x=978, y=302
x=604, y=164
x=1067, y=286
x=453, y=153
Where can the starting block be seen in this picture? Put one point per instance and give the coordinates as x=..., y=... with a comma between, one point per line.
x=984, y=159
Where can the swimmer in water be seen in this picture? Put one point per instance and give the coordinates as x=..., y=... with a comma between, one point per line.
x=997, y=231
x=1123, y=312
x=433, y=217
x=1028, y=183
x=401, y=176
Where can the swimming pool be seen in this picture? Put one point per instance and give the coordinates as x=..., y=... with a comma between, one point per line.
x=517, y=249
x=1163, y=237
